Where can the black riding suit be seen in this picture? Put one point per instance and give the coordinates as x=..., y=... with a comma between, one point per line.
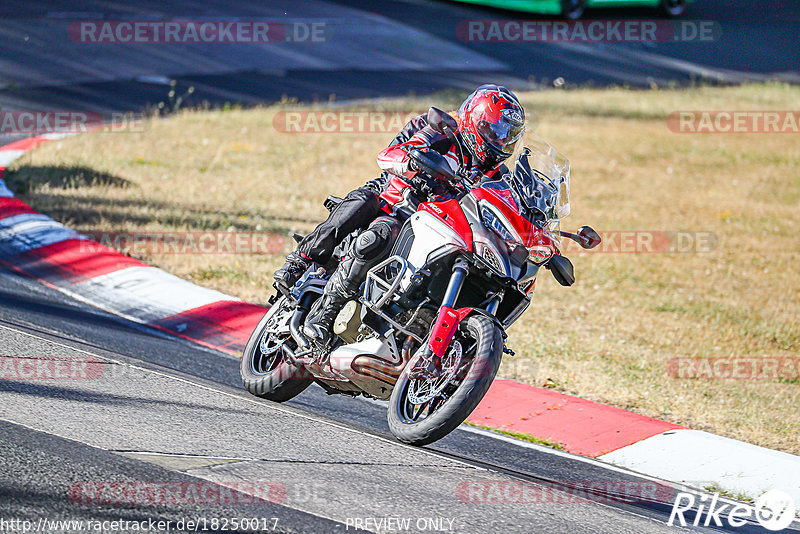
x=359, y=208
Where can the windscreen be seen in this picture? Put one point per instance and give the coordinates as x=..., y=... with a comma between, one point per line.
x=541, y=180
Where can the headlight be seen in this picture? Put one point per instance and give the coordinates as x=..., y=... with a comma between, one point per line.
x=492, y=220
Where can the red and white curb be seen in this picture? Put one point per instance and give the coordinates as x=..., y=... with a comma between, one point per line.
x=642, y=444
x=39, y=247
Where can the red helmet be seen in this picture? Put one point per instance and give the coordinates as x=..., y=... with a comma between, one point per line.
x=492, y=122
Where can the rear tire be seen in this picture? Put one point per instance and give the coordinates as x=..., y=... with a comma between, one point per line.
x=270, y=376
x=488, y=352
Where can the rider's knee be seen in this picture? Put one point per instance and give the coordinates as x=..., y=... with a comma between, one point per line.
x=388, y=227
x=369, y=244
x=375, y=240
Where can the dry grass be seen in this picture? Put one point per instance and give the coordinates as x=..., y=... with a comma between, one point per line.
x=608, y=337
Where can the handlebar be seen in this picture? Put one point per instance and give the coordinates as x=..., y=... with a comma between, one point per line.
x=433, y=164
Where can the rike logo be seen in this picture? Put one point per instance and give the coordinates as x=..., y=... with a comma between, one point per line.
x=774, y=510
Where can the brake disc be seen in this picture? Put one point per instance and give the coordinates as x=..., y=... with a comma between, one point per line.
x=421, y=391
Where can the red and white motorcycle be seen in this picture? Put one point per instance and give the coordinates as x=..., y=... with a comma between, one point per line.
x=427, y=332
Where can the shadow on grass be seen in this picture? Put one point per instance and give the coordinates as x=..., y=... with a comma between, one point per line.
x=84, y=211
x=28, y=178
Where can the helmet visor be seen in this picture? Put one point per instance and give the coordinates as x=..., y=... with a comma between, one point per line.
x=502, y=135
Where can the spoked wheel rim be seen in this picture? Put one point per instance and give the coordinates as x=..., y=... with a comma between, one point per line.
x=423, y=397
x=267, y=355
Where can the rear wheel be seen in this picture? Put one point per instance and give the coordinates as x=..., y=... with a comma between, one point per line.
x=422, y=411
x=572, y=9
x=264, y=370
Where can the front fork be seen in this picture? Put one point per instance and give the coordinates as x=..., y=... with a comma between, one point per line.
x=447, y=321
x=460, y=271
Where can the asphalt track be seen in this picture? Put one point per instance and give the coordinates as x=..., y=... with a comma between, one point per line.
x=164, y=410
x=370, y=49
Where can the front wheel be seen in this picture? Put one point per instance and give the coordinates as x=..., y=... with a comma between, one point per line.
x=264, y=370
x=422, y=411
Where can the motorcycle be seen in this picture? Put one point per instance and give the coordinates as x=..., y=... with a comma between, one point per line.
x=428, y=330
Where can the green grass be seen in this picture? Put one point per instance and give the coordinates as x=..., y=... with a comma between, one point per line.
x=519, y=435
x=714, y=488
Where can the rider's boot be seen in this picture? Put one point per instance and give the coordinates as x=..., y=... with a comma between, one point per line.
x=288, y=275
x=343, y=285
x=318, y=327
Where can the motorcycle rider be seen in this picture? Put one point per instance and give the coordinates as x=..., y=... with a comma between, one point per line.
x=491, y=121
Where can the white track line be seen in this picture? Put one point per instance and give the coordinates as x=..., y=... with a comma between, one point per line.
x=272, y=406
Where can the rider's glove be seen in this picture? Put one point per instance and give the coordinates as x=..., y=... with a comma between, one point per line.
x=412, y=166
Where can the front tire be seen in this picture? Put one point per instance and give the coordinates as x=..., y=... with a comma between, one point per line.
x=264, y=370
x=442, y=414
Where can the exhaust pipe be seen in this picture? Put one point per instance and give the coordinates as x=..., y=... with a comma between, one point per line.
x=294, y=329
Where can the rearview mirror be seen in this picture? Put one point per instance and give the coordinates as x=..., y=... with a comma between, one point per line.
x=586, y=237
x=441, y=121
x=589, y=237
